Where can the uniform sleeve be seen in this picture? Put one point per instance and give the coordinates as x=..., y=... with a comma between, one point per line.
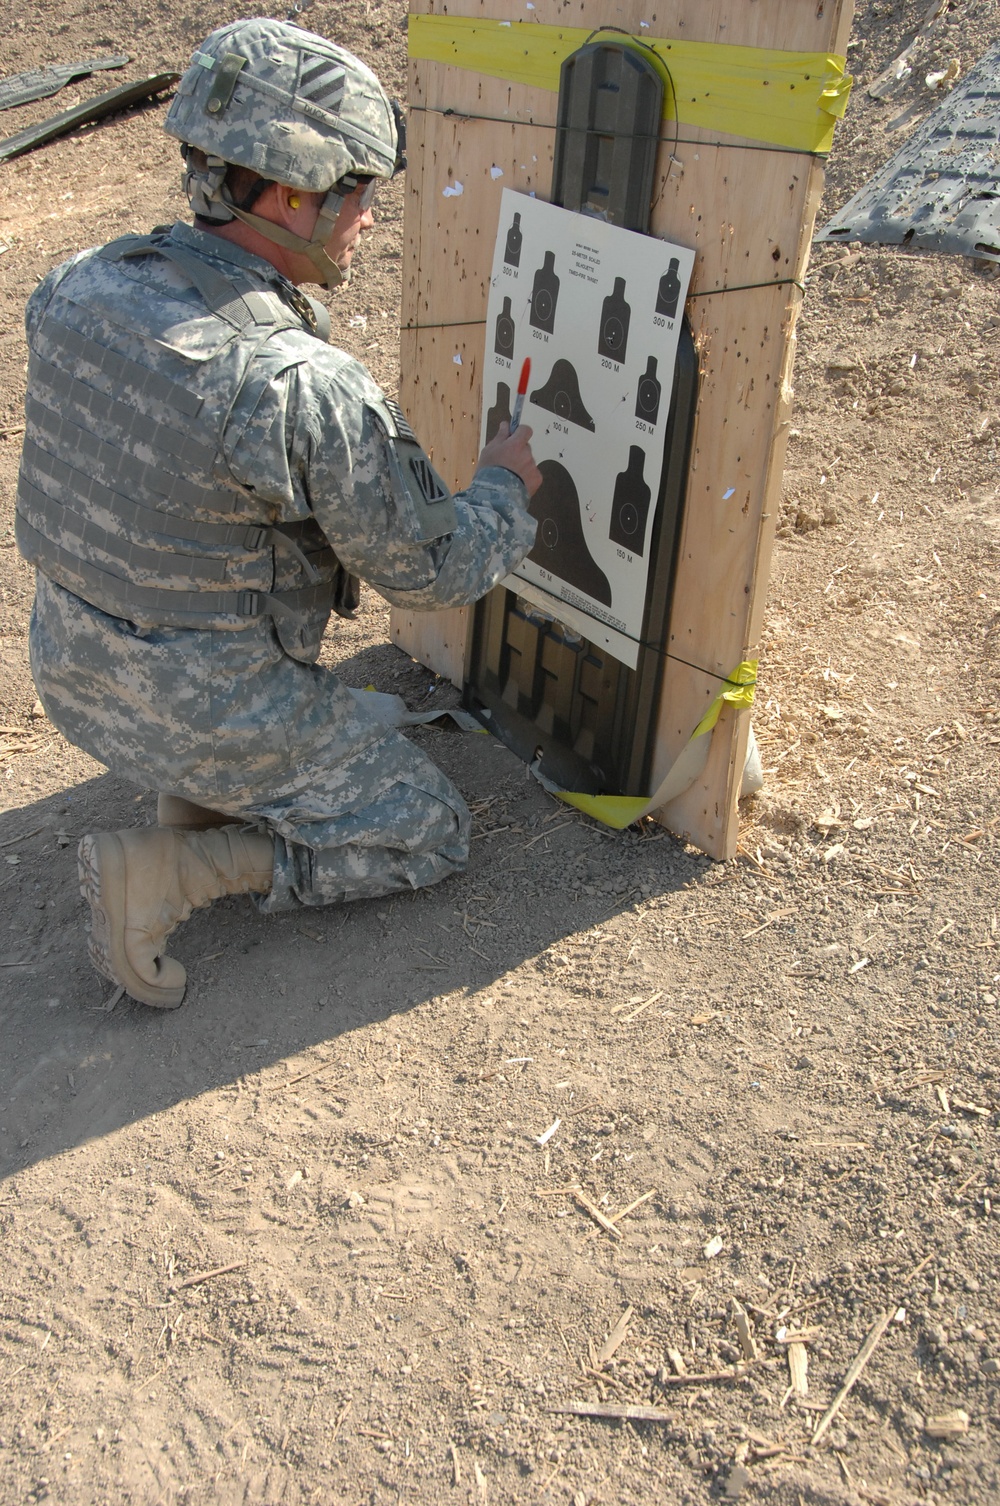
x=351, y=477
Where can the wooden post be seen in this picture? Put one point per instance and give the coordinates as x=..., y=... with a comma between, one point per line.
x=748, y=210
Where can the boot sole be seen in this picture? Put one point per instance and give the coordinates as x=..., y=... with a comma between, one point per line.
x=101, y=866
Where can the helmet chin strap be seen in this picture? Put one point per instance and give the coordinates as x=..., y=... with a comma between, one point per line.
x=330, y=275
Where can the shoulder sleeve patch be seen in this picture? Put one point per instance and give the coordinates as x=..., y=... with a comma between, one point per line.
x=424, y=498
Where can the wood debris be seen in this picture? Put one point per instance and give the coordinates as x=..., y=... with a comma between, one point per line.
x=631, y=1016
x=115, y=998
x=771, y=920
x=709, y=1377
x=624, y=1411
x=922, y=1266
x=219, y=1270
x=629, y=1208
x=744, y=1331
x=947, y=1425
x=595, y=1213
x=615, y=1338
x=798, y=1365
x=635, y=1203
x=760, y=1447
x=341, y=1415
x=604, y=1376
x=283, y=1087
x=858, y=1364
x=920, y=1079
x=798, y=1336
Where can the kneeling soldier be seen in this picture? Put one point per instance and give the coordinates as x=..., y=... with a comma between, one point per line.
x=203, y=480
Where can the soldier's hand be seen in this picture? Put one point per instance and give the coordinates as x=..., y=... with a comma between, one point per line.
x=513, y=452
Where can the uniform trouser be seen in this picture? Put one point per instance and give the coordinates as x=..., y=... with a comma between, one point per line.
x=228, y=720
x=411, y=832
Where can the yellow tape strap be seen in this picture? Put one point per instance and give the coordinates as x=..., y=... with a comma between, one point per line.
x=789, y=99
x=738, y=692
x=619, y=811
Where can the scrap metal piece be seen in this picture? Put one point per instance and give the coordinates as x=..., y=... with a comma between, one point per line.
x=940, y=192
x=93, y=109
x=39, y=83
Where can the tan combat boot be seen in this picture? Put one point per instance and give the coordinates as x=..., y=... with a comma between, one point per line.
x=141, y=884
x=184, y=815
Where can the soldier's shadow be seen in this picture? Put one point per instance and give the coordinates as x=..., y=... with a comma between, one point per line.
x=262, y=989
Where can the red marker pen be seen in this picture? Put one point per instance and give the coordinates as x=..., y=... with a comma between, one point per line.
x=522, y=388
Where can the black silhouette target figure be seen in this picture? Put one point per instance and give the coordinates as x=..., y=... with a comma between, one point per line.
x=512, y=250
x=647, y=399
x=499, y=413
x=612, y=340
x=559, y=544
x=669, y=291
x=630, y=507
x=504, y=345
x=561, y=396
x=545, y=295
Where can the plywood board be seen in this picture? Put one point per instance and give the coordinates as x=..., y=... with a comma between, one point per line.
x=747, y=214
x=697, y=195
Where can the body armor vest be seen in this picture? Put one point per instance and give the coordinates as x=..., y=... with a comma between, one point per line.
x=124, y=497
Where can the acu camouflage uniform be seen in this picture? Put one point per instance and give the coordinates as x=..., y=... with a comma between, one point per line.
x=261, y=424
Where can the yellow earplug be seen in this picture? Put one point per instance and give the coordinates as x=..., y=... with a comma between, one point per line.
x=293, y=201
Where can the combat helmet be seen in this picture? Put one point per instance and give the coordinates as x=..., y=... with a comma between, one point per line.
x=293, y=108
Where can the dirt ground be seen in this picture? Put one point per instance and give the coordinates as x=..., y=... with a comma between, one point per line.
x=312, y=1237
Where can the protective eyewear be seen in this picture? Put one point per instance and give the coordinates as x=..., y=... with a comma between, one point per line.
x=351, y=182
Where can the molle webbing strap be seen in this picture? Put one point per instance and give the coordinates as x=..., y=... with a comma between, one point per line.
x=122, y=371
x=238, y=302
x=130, y=424
x=131, y=515
x=64, y=521
x=142, y=479
x=246, y=536
x=82, y=471
x=88, y=538
x=155, y=604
